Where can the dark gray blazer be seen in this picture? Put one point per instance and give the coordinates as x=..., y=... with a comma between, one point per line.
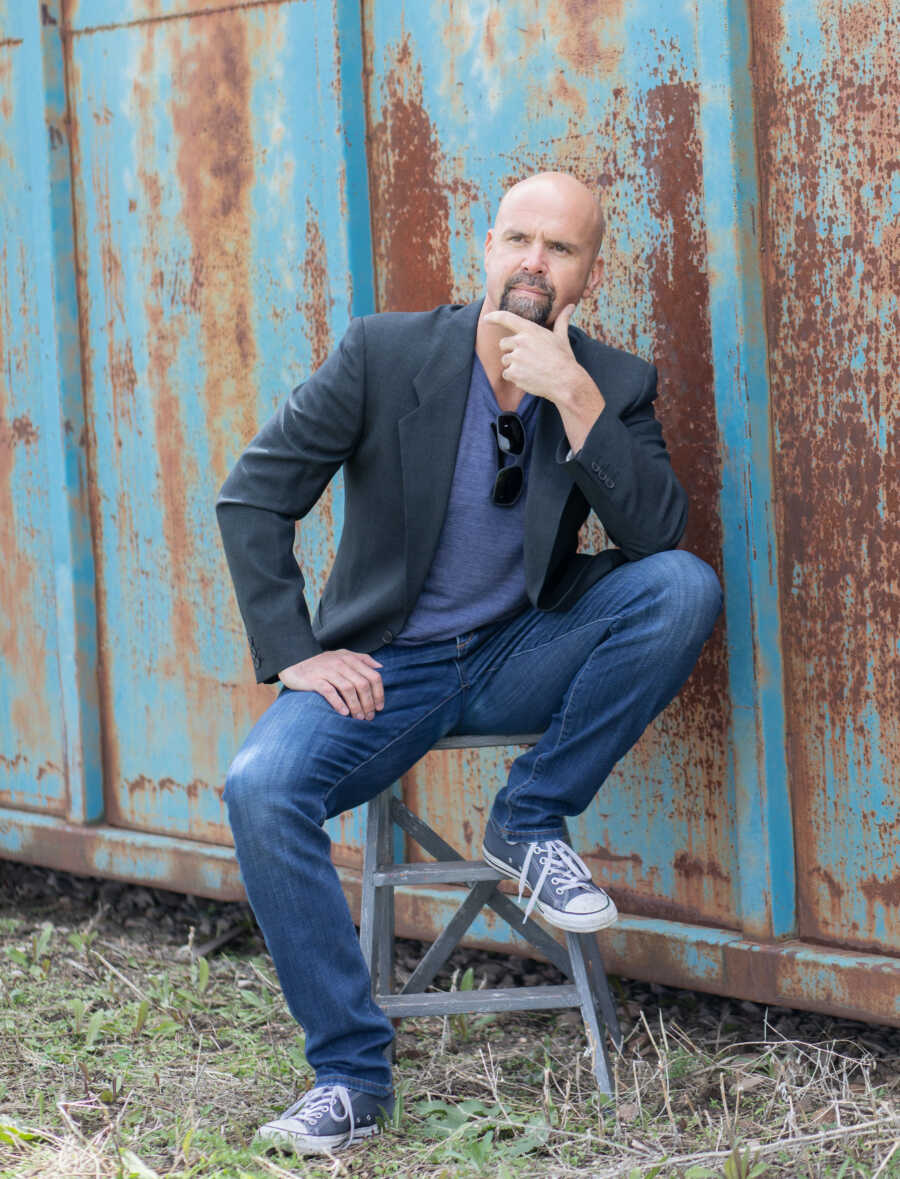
x=388, y=405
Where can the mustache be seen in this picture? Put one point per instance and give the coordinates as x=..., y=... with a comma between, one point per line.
x=530, y=280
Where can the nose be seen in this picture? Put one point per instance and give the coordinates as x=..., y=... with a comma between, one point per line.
x=534, y=261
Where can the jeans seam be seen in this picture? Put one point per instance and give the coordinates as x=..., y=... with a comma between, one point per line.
x=549, y=643
x=335, y=785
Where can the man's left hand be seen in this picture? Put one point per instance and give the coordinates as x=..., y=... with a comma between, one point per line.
x=540, y=360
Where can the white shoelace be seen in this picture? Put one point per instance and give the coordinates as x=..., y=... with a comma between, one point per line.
x=555, y=856
x=320, y=1101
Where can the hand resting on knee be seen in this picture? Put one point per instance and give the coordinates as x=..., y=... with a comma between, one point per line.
x=348, y=680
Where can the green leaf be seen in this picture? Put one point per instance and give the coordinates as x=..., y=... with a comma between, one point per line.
x=13, y=1136
x=17, y=956
x=699, y=1172
x=141, y=1018
x=527, y=1142
x=134, y=1168
x=43, y=941
x=188, y=1138
x=165, y=1028
x=467, y=982
x=202, y=975
x=93, y=1028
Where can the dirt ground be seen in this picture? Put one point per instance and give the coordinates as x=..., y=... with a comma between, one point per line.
x=142, y=1033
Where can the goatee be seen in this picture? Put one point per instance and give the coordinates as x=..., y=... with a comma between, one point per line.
x=537, y=310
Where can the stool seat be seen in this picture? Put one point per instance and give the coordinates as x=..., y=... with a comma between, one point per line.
x=580, y=960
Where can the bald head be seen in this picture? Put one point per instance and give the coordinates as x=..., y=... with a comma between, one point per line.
x=562, y=191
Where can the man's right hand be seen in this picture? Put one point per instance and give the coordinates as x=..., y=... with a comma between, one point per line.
x=348, y=680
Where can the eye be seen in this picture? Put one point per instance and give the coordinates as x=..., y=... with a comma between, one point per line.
x=559, y=248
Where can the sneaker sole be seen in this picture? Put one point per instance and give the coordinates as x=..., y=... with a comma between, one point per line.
x=570, y=922
x=312, y=1143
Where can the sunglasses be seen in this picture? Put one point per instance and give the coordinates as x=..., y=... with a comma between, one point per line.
x=509, y=435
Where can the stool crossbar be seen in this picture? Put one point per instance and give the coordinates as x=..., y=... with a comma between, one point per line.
x=580, y=960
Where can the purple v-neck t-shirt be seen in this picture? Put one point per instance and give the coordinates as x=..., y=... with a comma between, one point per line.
x=478, y=573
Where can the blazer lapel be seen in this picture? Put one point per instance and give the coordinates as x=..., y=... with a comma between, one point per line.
x=429, y=439
x=549, y=487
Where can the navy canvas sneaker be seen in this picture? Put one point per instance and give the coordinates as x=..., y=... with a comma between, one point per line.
x=561, y=887
x=326, y=1119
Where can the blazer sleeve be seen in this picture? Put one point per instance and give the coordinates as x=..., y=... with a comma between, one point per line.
x=624, y=472
x=274, y=483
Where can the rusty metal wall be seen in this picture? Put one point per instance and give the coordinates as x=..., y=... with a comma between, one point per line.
x=829, y=147
x=195, y=198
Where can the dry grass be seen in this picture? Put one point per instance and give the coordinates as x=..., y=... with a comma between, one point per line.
x=122, y=1056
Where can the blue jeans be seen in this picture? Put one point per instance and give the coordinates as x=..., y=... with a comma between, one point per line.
x=591, y=678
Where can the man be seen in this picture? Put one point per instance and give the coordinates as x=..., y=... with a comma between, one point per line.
x=474, y=441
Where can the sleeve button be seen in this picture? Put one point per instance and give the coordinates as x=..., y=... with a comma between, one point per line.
x=388, y=636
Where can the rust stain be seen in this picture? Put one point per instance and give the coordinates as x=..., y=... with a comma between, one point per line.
x=317, y=305
x=6, y=103
x=679, y=289
x=21, y=429
x=214, y=172
x=410, y=207
x=599, y=852
x=693, y=868
x=885, y=893
x=828, y=163
x=588, y=34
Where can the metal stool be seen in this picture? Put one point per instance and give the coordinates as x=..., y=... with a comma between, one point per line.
x=581, y=961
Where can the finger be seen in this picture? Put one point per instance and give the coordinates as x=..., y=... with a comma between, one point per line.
x=375, y=687
x=350, y=696
x=365, y=694
x=367, y=659
x=334, y=699
x=561, y=325
x=508, y=343
x=508, y=319
x=365, y=669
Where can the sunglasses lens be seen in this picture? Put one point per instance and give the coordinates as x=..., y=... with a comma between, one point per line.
x=508, y=486
x=510, y=433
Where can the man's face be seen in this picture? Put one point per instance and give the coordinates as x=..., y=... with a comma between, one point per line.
x=541, y=253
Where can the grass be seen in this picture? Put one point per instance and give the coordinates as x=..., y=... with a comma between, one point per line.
x=124, y=1054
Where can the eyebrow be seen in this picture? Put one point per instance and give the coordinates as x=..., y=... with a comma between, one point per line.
x=550, y=241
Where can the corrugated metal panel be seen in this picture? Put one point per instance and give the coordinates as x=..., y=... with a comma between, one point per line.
x=827, y=96
x=32, y=759
x=187, y=226
x=214, y=272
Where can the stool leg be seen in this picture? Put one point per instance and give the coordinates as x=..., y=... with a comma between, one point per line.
x=376, y=921
x=367, y=889
x=600, y=987
x=589, y=1012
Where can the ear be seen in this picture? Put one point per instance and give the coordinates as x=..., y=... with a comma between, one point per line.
x=594, y=276
x=488, y=242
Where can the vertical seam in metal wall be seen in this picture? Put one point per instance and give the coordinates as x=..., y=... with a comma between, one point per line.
x=348, y=31
x=366, y=81
x=764, y=829
x=77, y=705
x=768, y=326
x=66, y=38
